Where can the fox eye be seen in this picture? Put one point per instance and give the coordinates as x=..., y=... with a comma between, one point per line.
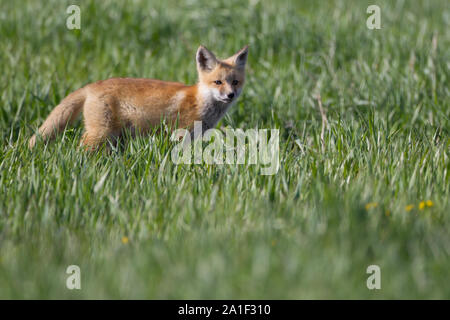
x=218, y=82
x=235, y=82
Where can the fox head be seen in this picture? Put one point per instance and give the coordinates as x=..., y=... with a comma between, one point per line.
x=221, y=80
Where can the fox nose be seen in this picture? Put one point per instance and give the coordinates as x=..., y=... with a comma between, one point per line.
x=231, y=95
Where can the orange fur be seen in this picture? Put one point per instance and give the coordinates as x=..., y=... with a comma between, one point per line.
x=109, y=106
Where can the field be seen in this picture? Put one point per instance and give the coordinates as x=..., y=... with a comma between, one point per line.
x=373, y=191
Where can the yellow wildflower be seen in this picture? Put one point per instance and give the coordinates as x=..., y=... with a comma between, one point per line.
x=429, y=203
x=409, y=207
x=371, y=205
x=125, y=240
x=421, y=205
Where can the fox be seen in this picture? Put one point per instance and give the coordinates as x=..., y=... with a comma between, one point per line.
x=139, y=104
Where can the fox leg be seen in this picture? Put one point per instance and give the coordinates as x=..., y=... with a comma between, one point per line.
x=100, y=122
x=93, y=139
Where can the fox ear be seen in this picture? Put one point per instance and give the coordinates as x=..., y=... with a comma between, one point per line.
x=206, y=60
x=240, y=58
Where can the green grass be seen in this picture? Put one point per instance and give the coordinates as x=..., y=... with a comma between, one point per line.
x=204, y=231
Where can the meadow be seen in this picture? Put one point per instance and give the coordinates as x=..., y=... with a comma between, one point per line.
x=372, y=189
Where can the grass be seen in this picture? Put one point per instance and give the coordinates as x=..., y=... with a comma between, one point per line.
x=199, y=231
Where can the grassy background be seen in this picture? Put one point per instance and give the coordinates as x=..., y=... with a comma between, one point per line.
x=226, y=231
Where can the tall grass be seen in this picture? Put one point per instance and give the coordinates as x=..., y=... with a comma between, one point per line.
x=210, y=231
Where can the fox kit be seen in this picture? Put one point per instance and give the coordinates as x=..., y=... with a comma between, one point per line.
x=109, y=106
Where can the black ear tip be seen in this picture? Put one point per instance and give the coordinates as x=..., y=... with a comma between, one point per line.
x=242, y=55
x=202, y=48
x=201, y=53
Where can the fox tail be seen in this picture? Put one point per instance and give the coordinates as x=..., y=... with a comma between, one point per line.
x=63, y=114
